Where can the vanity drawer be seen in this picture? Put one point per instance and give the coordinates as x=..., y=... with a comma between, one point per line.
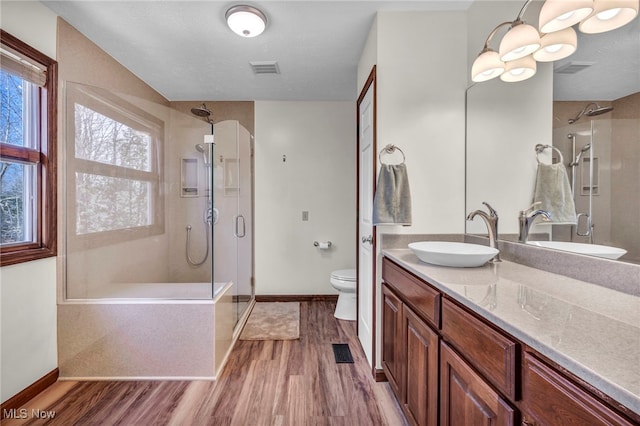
x=424, y=300
x=492, y=353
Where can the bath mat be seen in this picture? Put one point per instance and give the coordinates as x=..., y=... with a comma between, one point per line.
x=342, y=353
x=273, y=321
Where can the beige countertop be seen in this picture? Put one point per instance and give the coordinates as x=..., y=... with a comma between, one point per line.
x=592, y=331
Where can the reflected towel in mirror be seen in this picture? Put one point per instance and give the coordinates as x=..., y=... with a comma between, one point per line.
x=553, y=191
x=392, y=201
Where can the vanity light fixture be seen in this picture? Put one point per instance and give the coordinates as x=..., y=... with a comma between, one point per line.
x=557, y=45
x=608, y=15
x=519, y=42
x=556, y=40
x=246, y=21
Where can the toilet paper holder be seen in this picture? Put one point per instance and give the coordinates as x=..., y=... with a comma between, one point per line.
x=322, y=244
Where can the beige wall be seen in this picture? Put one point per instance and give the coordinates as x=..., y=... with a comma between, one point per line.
x=318, y=140
x=28, y=290
x=138, y=260
x=241, y=111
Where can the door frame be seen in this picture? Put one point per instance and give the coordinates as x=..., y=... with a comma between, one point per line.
x=371, y=81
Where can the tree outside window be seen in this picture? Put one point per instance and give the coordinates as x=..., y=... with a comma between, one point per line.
x=28, y=87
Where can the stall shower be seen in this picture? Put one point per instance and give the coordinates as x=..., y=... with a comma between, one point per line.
x=140, y=297
x=581, y=159
x=598, y=140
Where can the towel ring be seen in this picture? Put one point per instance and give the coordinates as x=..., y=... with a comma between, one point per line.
x=390, y=149
x=539, y=148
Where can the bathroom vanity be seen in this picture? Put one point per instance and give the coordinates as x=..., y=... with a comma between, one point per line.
x=507, y=344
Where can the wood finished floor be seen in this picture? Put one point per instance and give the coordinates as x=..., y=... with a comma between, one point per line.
x=294, y=382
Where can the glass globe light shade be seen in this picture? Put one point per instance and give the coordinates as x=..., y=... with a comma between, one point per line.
x=557, y=15
x=519, y=70
x=608, y=15
x=521, y=40
x=487, y=66
x=557, y=45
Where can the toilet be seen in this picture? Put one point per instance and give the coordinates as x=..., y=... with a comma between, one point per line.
x=344, y=280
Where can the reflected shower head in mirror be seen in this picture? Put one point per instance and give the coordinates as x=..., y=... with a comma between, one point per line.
x=584, y=149
x=590, y=112
x=202, y=149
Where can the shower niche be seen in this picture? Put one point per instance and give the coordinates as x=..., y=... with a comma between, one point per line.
x=188, y=177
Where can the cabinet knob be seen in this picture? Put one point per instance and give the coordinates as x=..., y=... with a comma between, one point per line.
x=368, y=239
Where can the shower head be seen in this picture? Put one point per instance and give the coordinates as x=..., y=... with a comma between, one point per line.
x=599, y=110
x=201, y=111
x=584, y=149
x=205, y=155
x=590, y=112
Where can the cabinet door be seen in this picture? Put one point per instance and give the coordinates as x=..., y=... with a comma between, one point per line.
x=465, y=398
x=550, y=399
x=421, y=399
x=392, y=341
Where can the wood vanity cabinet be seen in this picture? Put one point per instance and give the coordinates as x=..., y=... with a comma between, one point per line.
x=392, y=341
x=549, y=398
x=449, y=366
x=420, y=402
x=466, y=398
x=410, y=345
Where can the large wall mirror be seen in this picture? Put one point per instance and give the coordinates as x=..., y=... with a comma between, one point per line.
x=600, y=147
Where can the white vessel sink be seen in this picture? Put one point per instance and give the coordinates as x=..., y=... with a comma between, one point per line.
x=445, y=253
x=581, y=248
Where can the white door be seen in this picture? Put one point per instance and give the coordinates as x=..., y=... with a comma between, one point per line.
x=365, y=226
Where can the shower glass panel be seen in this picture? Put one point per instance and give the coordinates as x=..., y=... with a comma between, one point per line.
x=137, y=203
x=233, y=193
x=605, y=172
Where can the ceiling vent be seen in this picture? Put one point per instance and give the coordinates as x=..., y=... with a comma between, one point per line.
x=265, y=67
x=572, y=67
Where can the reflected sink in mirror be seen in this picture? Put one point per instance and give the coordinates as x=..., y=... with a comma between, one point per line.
x=581, y=248
x=453, y=254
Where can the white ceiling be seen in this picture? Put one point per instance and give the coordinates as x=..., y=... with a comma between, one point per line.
x=185, y=51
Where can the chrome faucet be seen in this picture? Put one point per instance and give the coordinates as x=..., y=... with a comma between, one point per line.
x=526, y=219
x=491, y=220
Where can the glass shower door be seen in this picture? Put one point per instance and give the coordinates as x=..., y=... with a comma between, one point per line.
x=233, y=182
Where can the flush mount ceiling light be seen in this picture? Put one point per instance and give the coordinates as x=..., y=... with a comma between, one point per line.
x=557, y=15
x=557, y=45
x=608, y=15
x=246, y=21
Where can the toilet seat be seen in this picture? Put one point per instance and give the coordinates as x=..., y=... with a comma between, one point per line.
x=344, y=275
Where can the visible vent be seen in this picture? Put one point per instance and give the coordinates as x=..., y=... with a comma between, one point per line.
x=572, y=67
x=265, y=67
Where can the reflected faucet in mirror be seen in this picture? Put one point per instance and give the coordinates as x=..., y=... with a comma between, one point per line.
x=491, y=220
x=526, y=219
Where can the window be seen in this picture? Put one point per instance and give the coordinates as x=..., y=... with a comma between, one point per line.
x=114, y=169
x=28, y=96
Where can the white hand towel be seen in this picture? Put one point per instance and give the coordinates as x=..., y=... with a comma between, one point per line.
x=553, y=191
x=392, y=201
